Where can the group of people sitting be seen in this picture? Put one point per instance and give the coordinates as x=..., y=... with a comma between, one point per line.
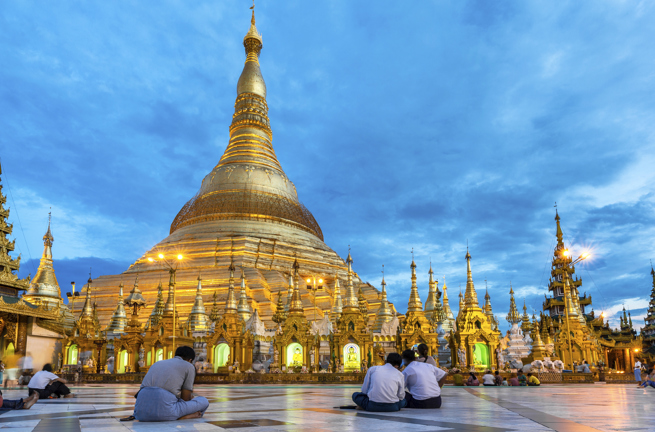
x=489, y=379
x=387, y=389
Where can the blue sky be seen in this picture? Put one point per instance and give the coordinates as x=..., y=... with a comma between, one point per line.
x=403, y=125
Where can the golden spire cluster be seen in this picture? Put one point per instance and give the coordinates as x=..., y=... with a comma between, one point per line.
x=414, y=304
x=471, y=297
x=513, y=317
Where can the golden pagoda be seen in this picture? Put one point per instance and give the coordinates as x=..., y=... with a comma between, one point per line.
x=85, y=332
x=416, y=328
x=475, y=341
x=433, y=287
x=449, y=322
x=246, y=208
x=351, y=343
x=158, y=310
x=119, y=318
x=384, y=313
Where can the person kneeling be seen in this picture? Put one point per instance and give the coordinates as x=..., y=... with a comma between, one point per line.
x=533, y=380
x=384, y=387
x=166, y=392
x=423, y=381
x=45, y=383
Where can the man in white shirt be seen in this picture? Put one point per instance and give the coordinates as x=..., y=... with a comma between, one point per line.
x=488, y=379
x=423, y=382
x=45, y=383
x=384, y=387
x=638, y=372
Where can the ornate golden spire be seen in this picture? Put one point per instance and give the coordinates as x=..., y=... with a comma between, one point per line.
x=414, y=304
x=280, y=314
x=215, y=313
x=243, y=309
x=248, y=183
x=559, y=234
x=135, y=301
x=337, y=307
x=158, y=309
x=461, y=301
x=363, y=304
x=198, y=320
x=431, y=301
x=384, y=313
x=168, y=307
x=44, y=288
x=446, y=305
x=231, y=301
x=87, y=309
x=513, y=317
x=471, y=297
x=289, y=292
x=119, y=318
x=296, y=307
x=350, y=302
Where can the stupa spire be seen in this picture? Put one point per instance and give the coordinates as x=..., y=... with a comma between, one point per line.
x=169, y=310
x=446, y=304
x=430, y=302
x=296, y=307
x=243, y=309
x=215, y=313
x=280, y=314
x=231, y=301
x=119, y=318
x=351, y=298
x=289, y=292
x=471, y=297
x=198, y=321
x=337, y=307
x=44, y=288
x=158, y=309
x=384, y=313
x=513, y=317
x=414, y=304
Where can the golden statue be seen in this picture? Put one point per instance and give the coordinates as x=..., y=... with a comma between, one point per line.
x=352, y=362
x=297, y=358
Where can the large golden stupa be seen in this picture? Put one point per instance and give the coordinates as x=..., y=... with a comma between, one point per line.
x=247, y=212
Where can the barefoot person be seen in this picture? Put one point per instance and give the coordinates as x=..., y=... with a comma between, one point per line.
x=384, y=387
x=45, y=383
x=21, y=403
x=423, y=382
x=167, y=390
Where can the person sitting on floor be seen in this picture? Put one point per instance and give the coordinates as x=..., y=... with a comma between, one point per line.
x=513, y=381
x=533, y=381
x=383, y=389
x=585, y=367
x=504, y=383
x=458, y=379
x=650, y=379
x=499, y=379
x=423, y=382
x=522, y=379
x=45, y=383
x=488, y=379
x=14, y=404
x=423, y=356
x=473, y=380
x=166, y=392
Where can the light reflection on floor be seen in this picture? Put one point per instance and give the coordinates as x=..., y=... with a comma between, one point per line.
x=570, y=408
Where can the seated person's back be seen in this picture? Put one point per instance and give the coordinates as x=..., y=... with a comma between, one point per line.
x=173, y=375
x=488, y=379
x=458, y=379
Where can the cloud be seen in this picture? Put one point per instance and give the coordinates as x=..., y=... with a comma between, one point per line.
x=401, y=128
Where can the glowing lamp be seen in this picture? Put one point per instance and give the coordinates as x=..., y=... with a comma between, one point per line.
x=320, y=281
x=179, y=257
x=308, y=280
x=161, y=256
x=566, y=252
x=150, y=259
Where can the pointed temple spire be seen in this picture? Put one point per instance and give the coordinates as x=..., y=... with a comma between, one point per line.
x=296, y=307
x=432, y=293
x=44, y=288
x=231, y=301
x=248, y=181
x=361, y=301
x=215, y=313
x=513, y=317
x=87, y=309
x=648, y=331
x=337, y=307
x=446, y=304
x=169, y=310
x=119, y=318
x=350, y=302
x=243, y=309
x=414, y=304
x=384, y=313
x=471, y=297
x=280, y=314
x=198, y=321
x=158, y=310
x=289, y=292
x=9, y=265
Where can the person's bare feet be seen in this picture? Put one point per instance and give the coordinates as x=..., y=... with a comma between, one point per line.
x=191, y=416
x=30, y=400
x=70, y=395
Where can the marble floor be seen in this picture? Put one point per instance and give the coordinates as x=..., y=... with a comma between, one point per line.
x=564, y=408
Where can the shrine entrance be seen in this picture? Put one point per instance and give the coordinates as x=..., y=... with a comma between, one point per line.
x=481, y=355
x=352, y=358
x=221, y=355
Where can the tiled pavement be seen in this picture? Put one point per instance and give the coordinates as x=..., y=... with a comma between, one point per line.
x=565, y=408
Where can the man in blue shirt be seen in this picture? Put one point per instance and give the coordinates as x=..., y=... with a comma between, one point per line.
x=423, y=382
x=384, y=387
